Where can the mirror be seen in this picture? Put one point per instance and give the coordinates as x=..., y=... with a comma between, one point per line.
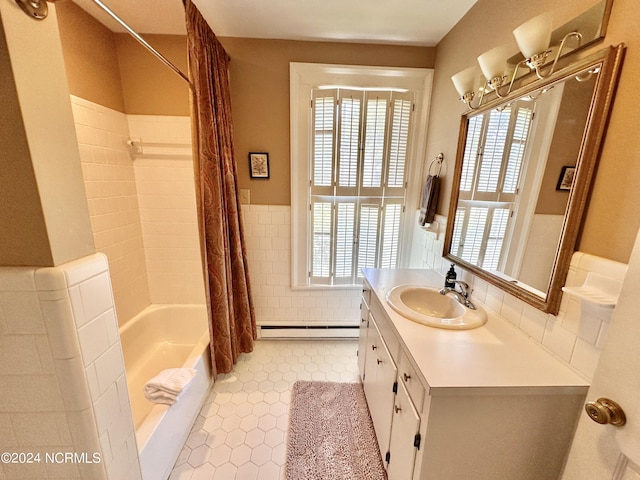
x=523, y=172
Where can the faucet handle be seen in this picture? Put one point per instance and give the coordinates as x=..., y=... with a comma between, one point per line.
x=464, y=287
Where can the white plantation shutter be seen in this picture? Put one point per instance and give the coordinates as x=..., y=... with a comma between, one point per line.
x=368, y=235
x=492, y=164
x=401, y=109
x=344, y=244
x=321, y=220
x=375, y=136
x=521, y=126
x=495, y=240
x=390, y=235
x=350, y=123
x=493, y=151
x=324, y=126
x=474, y=129
x=358, y=181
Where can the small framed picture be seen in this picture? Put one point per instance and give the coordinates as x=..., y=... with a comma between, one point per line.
x=259, y=164
x=566, y=178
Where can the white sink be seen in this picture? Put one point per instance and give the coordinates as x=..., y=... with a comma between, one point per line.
x=427, y=306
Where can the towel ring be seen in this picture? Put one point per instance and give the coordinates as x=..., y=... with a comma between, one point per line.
x=438, y=161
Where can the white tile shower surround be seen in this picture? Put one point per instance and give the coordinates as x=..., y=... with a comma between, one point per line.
x=166, y=198
x=143, y=212
x=576, y=335
x=241, y=430
x=110, y=185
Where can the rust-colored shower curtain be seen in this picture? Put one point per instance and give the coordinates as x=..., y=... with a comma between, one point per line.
x=231, y=317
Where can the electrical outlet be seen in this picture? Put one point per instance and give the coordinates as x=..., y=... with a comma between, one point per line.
x=245, y=196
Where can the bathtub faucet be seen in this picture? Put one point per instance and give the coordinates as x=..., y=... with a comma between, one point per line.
x=461, y=295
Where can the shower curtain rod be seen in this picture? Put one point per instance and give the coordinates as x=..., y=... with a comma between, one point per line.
x=142, y=41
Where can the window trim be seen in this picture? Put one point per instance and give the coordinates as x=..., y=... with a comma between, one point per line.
x=303, y=78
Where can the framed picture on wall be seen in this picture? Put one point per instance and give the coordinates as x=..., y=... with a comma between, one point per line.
x=566, y=178
x=259, y=164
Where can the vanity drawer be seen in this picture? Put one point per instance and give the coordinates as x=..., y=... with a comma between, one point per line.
x=386, y=330
x=366, y=293
x=411, y=381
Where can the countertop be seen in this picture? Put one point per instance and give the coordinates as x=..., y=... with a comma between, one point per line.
x=494, y=358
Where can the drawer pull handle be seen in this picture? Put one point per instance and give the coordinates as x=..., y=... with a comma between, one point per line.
x=379, y=361
x=406, y=377
x=363, y=320
x=397, y=408
x=373, y=347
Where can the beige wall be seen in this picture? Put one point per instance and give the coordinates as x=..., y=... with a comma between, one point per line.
x=565, y=145
x=612, y=219
x=21, y=214
x=260, y=98
x=115, y=71
x=90, y=57
x=149, y=87
x=42, y=156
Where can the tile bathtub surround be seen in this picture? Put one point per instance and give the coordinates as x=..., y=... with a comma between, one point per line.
x=143, y=211
x=575, y=335
x=241, y=430
x=166, y=196
x=63, y=380
x=268, y=239
x=113, y=203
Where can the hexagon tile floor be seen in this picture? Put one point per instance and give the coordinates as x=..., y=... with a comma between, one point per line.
x=241, y=430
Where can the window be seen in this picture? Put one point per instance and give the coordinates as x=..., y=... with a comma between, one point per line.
x=359, y=144
x=356, y=160
x=493, y=162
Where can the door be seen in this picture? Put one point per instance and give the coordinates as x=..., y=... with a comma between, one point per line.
x=605, y=451
x=403, y=443
x=362, y=337
x=380, y=375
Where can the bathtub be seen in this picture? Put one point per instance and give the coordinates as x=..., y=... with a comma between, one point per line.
x=160, y=337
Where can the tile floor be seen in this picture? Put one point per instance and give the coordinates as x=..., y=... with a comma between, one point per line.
x=241, y=430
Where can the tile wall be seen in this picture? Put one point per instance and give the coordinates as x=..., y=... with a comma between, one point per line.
x=576, y=335
x=64, y=388
x=142, y=205
x=167, y=200
x=109, y=178
x=268, y=239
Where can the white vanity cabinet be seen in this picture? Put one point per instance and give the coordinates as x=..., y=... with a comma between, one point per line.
x=381, y=374
x=487, y=404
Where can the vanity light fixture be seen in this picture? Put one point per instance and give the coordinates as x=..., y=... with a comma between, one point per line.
x=533, y=38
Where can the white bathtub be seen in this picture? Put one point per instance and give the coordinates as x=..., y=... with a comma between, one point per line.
x=160, y=337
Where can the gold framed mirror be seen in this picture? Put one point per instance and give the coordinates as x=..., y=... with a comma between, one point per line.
x=524, y=169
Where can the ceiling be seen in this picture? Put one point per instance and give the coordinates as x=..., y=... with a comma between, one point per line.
x=409, y=22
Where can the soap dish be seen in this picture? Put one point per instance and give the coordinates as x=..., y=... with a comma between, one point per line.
x=598, y=289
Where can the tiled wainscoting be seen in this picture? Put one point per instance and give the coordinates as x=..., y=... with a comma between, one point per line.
x=62, y=373
x=575, y=335
x=268, y=240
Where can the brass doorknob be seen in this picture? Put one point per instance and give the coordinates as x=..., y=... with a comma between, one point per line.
x=605, y=411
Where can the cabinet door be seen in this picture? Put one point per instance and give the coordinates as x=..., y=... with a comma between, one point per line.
x=362, y=340
x=380, y=376
x=402, y=446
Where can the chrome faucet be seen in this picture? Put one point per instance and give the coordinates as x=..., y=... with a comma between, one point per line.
x=462, y=295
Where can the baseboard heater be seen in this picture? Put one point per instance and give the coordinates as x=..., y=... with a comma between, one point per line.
x=308, y=331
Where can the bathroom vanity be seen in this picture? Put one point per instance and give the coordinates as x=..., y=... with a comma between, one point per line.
x=482, y=404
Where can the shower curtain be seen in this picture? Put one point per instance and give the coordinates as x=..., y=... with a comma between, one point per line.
x=232, y=323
